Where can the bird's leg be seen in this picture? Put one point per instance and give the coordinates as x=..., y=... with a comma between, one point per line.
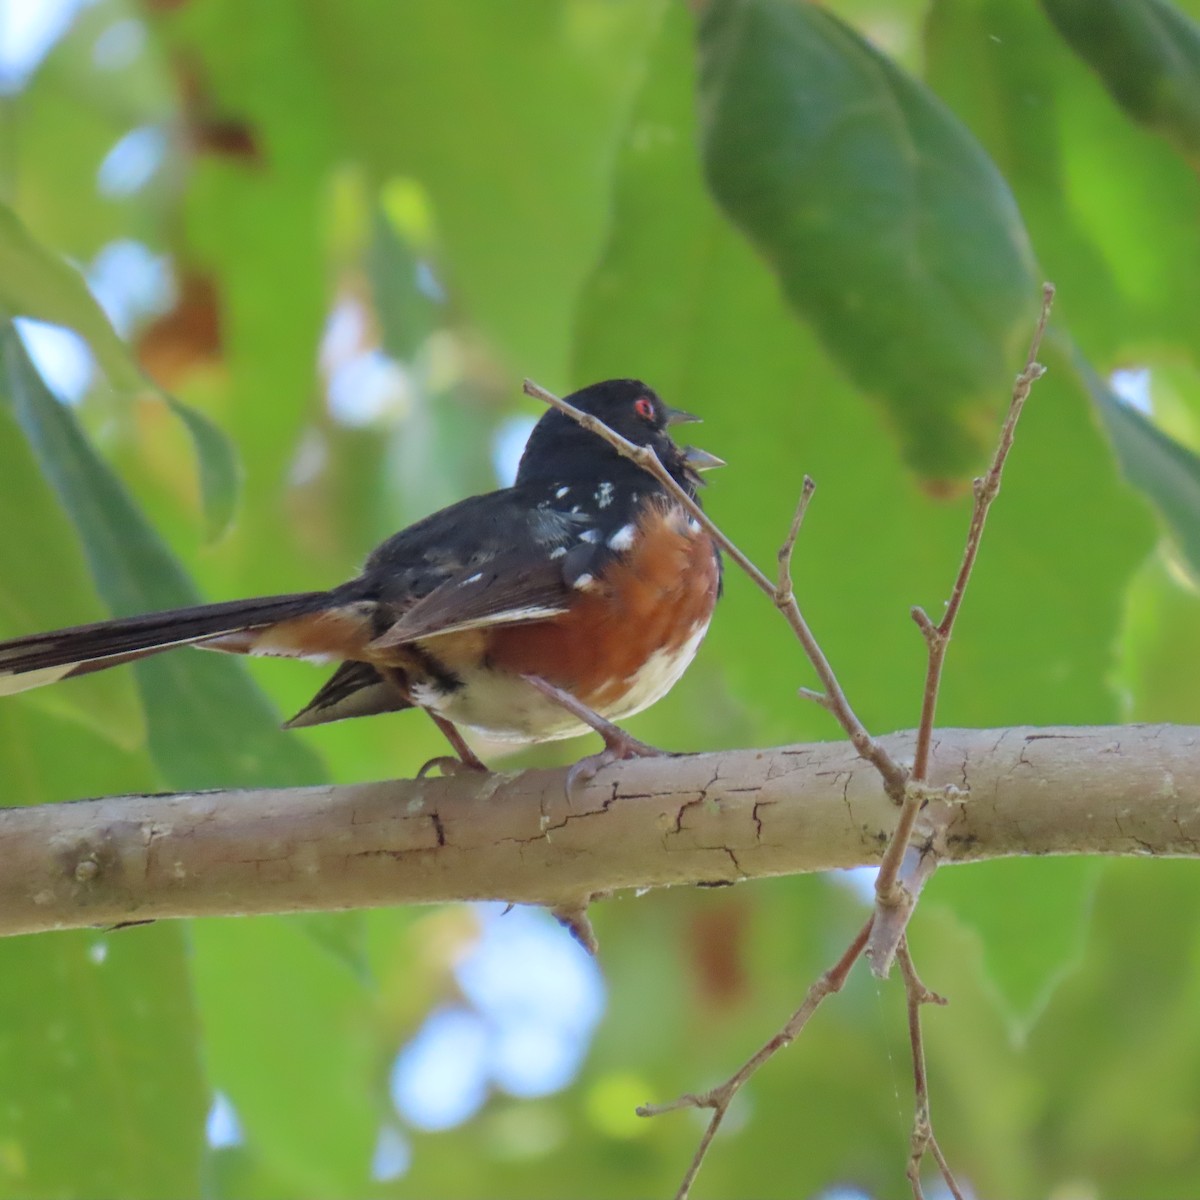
x=467, y=758
x=466, y=755
x=618, y=744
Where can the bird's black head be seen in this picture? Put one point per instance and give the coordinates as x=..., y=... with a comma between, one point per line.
x=560, y=449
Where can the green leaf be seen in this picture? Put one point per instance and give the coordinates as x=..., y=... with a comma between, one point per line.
x=889, y=228
x=220, y=469
x=1111, y=211
x=209, y=726
x=1115, y=1057
x=101, y=1088
x=44, y=583
x=1147, y=54
x=992, y=63
x=1031, y=916
x=288, y=1042
x=1160, y=659
x=102, y=1084
x=36, y=282
x=1162, y=469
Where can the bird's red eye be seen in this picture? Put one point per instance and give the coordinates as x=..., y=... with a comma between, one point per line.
x=644, y=407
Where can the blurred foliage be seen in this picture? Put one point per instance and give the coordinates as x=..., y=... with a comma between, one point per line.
x=817, y=229
x=891, y=230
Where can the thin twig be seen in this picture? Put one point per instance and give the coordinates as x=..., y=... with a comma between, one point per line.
x=894, y=775
x=923, y=1140
x=783, y=588
x=986, y=491
x=894, y=900
x=720, y=1097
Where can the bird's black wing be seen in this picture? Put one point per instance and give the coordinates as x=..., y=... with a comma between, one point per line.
x=496, y=559
x=506, y=557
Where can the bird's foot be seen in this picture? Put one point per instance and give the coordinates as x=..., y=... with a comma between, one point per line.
x=448, y=765
x=618, y=746
x=466, y=760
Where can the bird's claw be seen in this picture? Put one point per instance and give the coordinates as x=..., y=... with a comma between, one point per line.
x=616, y=749
x=448, y=765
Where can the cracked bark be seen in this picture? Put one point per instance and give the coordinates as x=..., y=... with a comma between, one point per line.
x=711, y=819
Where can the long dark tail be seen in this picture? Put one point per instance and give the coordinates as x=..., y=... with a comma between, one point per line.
x=42, y=658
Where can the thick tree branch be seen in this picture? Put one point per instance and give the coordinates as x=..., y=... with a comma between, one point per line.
x=718, y=817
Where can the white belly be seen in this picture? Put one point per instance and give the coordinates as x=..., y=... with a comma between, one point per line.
x=510, y=710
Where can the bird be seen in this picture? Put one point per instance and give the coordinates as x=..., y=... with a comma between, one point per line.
x=571, y=600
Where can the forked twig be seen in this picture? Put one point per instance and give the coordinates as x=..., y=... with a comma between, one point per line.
x=720, y=1097
x=902, y=873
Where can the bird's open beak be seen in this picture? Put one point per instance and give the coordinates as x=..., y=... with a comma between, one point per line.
x=677, y=416
x=700, y=460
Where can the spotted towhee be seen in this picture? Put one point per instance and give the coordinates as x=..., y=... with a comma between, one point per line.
x=574, y=598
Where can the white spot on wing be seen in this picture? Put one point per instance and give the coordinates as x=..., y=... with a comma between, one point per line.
x=590, y=535
x=584, y=582
x=623, y=538
x=474, y=578
x=559, y=552
x=604, y=494
x=562, y=491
